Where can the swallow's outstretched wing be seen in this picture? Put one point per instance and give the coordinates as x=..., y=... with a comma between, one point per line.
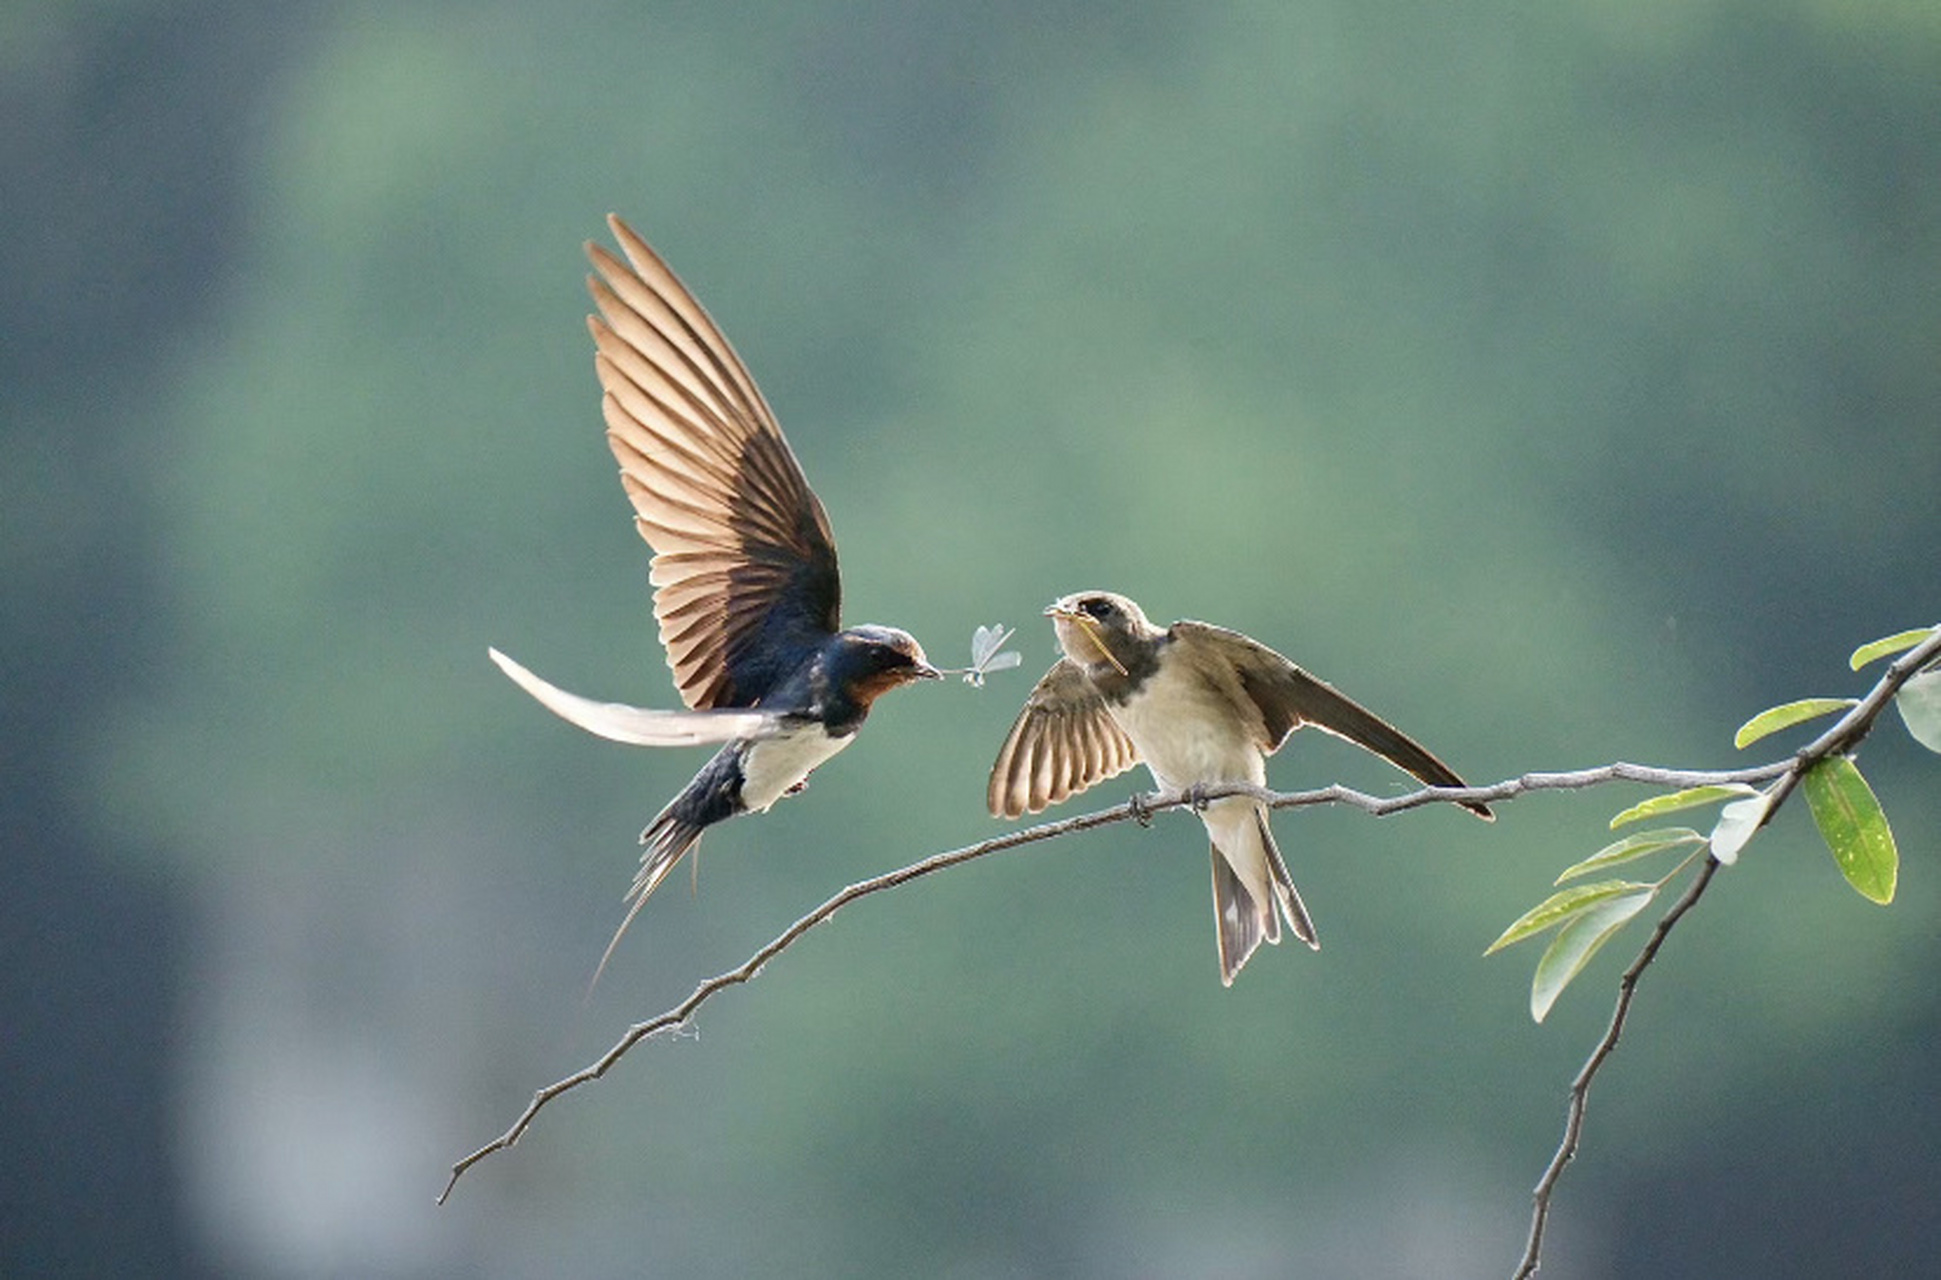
x=1064, y=741
x=1287, y=697
x=744, y=563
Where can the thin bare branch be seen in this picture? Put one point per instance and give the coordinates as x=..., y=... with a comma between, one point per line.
x=1580, y=1087
x=1845, y=735
x=1139, y=809
x=677, y=1017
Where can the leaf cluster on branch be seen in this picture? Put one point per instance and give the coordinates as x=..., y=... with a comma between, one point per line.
x=1845, y=810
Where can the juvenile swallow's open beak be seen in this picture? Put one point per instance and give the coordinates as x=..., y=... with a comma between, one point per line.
x=1089, y=625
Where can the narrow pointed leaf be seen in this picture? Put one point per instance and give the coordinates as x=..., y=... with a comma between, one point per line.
x=1854, y=828
x=1736, y=825
x=1562, y=906
x=1773, y=719
x=1690, y=798
x=1920, y=704
x=1887, y=645
x=1577, y=942
x=1642, y=845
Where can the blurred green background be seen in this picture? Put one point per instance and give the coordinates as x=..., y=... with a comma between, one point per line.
x=1562, y=382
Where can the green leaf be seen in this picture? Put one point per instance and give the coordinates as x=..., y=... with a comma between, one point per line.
x=1561, y=906
x=1854, y=828
x=1736, y=825
x=1691, y=798
x=1920, y=704
x=1773, y=719
x=1641, y=845
x=1572, y=948
x=1886, y=645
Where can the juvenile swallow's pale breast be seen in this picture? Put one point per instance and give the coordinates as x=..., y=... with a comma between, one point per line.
x=1189, y=725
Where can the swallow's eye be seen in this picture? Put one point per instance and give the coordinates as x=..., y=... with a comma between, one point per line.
x=1100, y=609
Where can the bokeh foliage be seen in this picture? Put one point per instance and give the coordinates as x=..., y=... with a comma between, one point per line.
x=1560, y=383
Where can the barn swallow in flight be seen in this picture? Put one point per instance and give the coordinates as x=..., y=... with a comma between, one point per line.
x=1200, y=705
x=747, y=594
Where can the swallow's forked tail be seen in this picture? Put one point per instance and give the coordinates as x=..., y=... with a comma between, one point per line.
x=667, y=839
x=1242, y=922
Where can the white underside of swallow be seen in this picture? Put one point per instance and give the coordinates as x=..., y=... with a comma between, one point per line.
x=1185, y=732
x=773, y=766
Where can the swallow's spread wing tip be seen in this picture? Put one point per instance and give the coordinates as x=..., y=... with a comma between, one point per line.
x=1285, y=697
x=708, y=471
x=1064, y=741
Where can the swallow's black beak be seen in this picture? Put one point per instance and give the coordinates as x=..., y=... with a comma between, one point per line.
x=921, y=670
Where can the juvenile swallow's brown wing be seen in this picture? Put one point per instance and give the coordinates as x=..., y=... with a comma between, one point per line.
x=1064, y=741
x=744, y=563
x=1288, y=697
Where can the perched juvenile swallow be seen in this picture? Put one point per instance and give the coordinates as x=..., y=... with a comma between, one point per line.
x=747, y=594
x=1199, y=705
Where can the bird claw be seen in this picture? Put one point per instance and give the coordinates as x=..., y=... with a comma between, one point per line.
x=1141, y=806
x=1196, y=797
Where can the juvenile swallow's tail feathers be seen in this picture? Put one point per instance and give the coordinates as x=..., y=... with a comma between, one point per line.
x=1237, y=919
x=1285, y=893
x=1242, y=919
x=713, y=795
